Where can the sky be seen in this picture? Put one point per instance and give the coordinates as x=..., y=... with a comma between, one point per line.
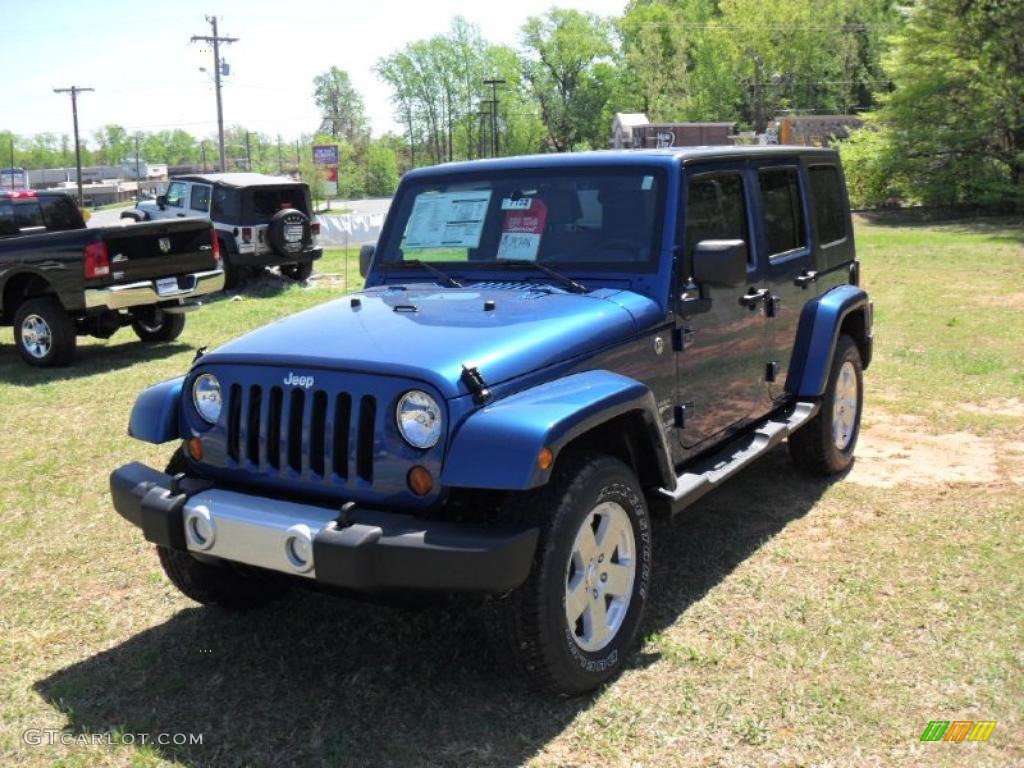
x=146, y=73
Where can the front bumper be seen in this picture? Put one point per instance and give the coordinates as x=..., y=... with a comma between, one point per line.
x=358, y=549
x=144, y=293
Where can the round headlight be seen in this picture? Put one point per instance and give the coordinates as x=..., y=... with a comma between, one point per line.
x=207, y=398
x=419, y=419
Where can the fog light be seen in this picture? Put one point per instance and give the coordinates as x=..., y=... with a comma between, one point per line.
x=420, y=481
x=545, y=458
x=195, y=449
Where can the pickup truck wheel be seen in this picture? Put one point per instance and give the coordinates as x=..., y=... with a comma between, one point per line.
x=569, y=627
x=212, y=584
x=297, y=272
x=44, y=333
x=155, y=325
x=825, y=445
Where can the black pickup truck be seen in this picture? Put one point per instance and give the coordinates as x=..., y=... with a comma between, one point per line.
x=60, y=280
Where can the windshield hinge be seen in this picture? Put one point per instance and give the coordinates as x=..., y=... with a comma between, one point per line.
x=476, y=384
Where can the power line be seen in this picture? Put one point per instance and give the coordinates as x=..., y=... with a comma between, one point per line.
x=74, y=90
x=217, y=40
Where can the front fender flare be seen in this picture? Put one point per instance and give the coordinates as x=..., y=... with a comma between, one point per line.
x=497, y=446
x=817, y=335
x=154, y=416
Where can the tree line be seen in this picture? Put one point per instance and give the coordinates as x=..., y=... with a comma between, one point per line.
x=940, y=84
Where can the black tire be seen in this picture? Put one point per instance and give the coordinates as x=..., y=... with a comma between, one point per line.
x=44, y=333
x=814, y=447
x=234, y=275
x=154, y=325
x=282, y=231
x=297, y=272
x=210, y=583
x=529, y=628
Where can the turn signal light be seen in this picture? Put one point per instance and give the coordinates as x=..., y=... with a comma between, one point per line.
x=215, y=244
x=246, y=234
x=195, y=449
x=420, y=481
x=545, y=458
x=314, y=227
x=96, y=261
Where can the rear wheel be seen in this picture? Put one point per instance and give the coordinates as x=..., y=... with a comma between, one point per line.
x=214, y=583
x=156, y=325
x=569, y=627
x=297, y=272
x=43, y=333
x=825, y=445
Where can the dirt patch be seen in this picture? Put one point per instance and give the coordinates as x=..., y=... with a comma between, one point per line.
x=1010, y=406
x=898, y=450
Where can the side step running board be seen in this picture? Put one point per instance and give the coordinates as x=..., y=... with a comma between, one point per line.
x=708, y=473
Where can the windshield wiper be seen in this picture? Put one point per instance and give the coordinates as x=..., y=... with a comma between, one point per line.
x=564, y=280
x=446, y=280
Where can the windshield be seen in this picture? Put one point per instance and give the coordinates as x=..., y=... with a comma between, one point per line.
x=595, y=220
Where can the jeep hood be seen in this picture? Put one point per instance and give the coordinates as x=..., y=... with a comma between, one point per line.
x=429, y=333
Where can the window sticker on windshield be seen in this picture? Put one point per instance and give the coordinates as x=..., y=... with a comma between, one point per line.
x=447, y=219
x=521, y=232
x=647, y=183
x=516, y=203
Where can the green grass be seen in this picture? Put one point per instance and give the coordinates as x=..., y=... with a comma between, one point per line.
x=792, y=621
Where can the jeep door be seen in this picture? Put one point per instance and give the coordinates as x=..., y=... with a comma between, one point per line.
x=785, y=240
x=724, y=337
x=176, y=200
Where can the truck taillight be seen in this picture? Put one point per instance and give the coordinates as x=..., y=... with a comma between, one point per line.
x=97, y=260
x=215, y=242
x=246, y=234
x=314, y=227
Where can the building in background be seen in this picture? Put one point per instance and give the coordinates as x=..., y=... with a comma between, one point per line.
x=623, y=126
x=810, y=130
x=13, y=179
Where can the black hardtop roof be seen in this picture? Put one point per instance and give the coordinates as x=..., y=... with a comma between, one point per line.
x=239, y=180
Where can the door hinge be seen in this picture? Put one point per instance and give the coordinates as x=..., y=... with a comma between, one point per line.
x=681, y=338
x=679, y=414
x=771, y=371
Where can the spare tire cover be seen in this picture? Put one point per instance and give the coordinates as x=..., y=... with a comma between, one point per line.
x=288, y=232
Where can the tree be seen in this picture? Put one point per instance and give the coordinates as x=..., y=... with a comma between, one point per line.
x=567, y=61
x=381, y=170
x=340, y=105
x=952, y=129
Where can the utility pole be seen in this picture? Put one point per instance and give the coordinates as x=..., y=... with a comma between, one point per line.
x=202, y=153
x=485, y=117
x=74, y=90
x=248, y=152
x=216, y=40
x=280, y=157
x=494, y=83
x=138, y=174
x=12, y=161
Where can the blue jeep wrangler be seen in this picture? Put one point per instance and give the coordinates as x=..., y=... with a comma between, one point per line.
x=548, y=350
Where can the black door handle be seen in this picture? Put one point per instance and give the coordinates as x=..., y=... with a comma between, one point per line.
x=809, y=276
x=752, y=298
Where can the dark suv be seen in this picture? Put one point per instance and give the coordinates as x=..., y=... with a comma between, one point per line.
x=548, y=350
x=262, y=221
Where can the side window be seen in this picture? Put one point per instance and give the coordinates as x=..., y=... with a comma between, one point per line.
x=827, y=203
x=716, y=209
x=783, y=210
x=60, y=213
x=7, y=226
x=176, y=194
x=200, y=199
x=28, y=214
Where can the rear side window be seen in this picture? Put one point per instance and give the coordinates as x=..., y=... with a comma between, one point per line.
x=827, y=203
x=27, y=214
x=60, y=213
x=268, y=201
x=783, y=210
x=716, y=209
x=7, y=227
x=227, y=205
x=200, y=198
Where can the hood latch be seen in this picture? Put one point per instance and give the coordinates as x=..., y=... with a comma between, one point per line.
x=476, y=384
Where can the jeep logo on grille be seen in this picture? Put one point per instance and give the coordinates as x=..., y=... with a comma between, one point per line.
x=291, y=380
x=165, y=244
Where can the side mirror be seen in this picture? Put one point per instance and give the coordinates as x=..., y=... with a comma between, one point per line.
x=720, y=262
x=365, y=257
x=161, y=201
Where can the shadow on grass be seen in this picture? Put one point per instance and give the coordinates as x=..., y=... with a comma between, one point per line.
x=90, y=359
x=322, y=680
x=1002, y=227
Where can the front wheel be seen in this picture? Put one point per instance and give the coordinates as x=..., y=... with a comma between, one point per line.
x=155, y=325
x=825, y=445
x=570, y=626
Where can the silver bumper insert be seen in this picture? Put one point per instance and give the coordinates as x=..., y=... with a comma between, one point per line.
x=145, y=292
x=257, y=531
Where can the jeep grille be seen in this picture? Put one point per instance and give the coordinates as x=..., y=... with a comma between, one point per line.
x=267, y=427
